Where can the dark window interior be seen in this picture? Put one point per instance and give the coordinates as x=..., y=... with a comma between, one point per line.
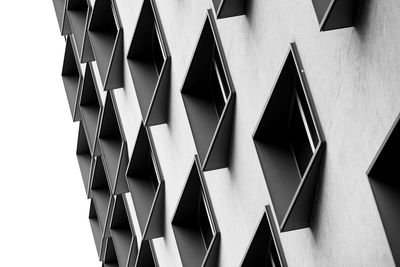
x=302, y=134
x=158, y=57
x=204, y=222
x=218, y=84
x=272, y=259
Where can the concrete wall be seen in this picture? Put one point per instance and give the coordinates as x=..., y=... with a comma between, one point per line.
x=353, y=79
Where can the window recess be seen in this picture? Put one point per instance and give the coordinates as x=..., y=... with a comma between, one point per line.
x=84, y=157
x=122, y=233
x=113, y=146
x=72, y=78
x=106, y=37
x=335, y=14
x=98, y=237
x=90, y=106
x=146, y=185
x=101, y=195
x=384, y=176
x=229, y=8
x=209, y=96
x=78, y=12
x=149, y=62
x=147, y=256
x=265, y=248
x=110, y=257
x=60, y=7
x=194, y=225
x=290, y=145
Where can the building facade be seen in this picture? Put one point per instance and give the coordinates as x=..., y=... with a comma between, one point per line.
x=236, y=132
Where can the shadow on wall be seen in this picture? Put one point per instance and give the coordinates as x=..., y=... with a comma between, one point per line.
x=363, y=19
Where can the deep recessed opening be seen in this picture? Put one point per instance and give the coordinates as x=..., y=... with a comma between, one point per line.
x=204, y=222
x=384, y=176
x=96, y=230
x=302, y=134
x=149, y=65
x=77, y=12
x=121, y=231
x=110, y=257
x=100, y=192
x=193, y=223
x=208, y=96
x=103, y=32
x=265, y=248
x=84, y=157
x=158, y=56
x=110, y=139
x=218, y=84
x=90, y=107
x=289, y=145
x=145, y=184
x=71, y=77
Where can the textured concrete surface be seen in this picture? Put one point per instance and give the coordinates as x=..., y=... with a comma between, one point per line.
x=353, y=78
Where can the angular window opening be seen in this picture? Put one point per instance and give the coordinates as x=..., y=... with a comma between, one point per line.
x=335, y=14
x=84, y=158
x=62, y=18
x=122, y=232
x=105, y=33
x=289, y=143
x=78, y=13
x=204, y=221
x=147, y=256
x=157, y=52
x=149, y=62
x=72, y=78
x=265, y=248
x=113, y=146
x=302, y=132
x=208, y=96
x=194, y=224
x=384, y=176
x=101, y=194
x=218, y=84
x=229, y=8
x=96, y=229
x=146, y=185
x=110, y=257
x=90, y=105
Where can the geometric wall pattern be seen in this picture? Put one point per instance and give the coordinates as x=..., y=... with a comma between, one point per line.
x=125, y=179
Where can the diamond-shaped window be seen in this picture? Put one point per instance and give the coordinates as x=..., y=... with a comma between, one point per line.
x=384, y=176
x=146, y=256
x=113, y=146
x=229, y=8
x=90, y=106
x=60, y=7
x=150, y=65
x=105, y=34
x=335, y=14
x=122, y=233
x=72, y=78
x=100, y=194
x=98, y=237
x=146, y=185
x=110, y=257
x=194, y=225
x=265, y=248
x=208, y=96
x=84, y=158
x=78, y=13
x=290, y=145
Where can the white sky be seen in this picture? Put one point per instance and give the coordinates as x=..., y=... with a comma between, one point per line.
x=44, y=211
